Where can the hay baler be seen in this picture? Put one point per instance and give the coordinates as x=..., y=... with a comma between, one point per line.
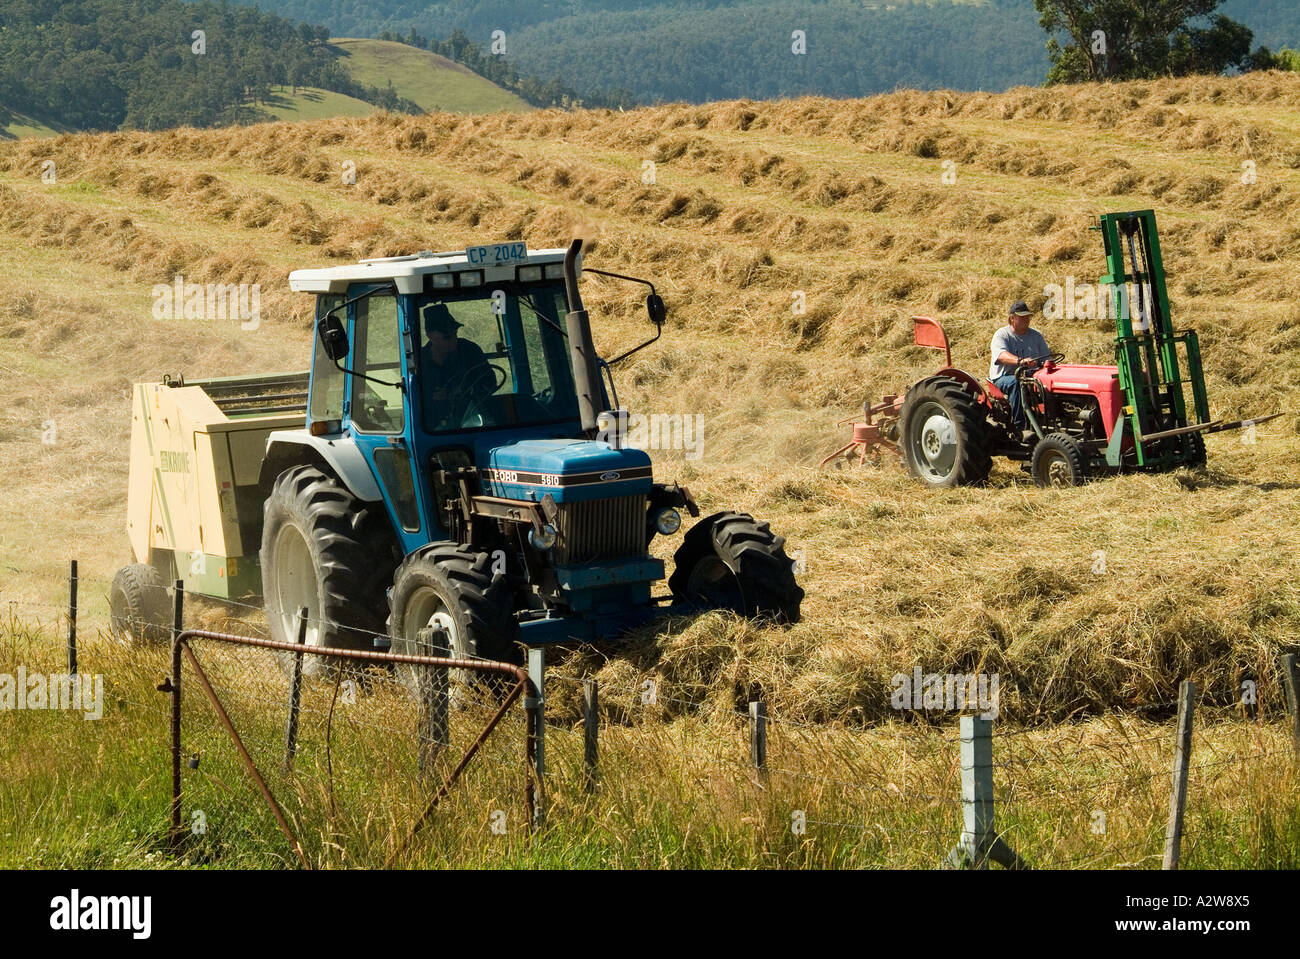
x=453, y=459
x=1148, y=412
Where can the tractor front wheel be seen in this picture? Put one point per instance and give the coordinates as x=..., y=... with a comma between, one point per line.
x=329, y=552
x=730, y=561
x=1059, y=461
x=453, y=587
x=945, y=437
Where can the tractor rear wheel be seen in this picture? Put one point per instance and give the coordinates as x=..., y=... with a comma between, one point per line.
x=1059, y=461
x=326, y=550
x=452, y=586
x=139, y=607
x=730, y=561
x=945, y=437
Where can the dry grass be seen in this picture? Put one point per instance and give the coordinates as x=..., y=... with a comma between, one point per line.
x=840, y=199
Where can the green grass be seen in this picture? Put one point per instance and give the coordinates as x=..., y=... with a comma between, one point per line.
x=22, y=125
x=675, y=787
x=310, y=103
x=433, y=82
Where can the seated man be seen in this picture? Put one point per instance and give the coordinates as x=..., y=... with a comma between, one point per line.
x=454, y=370
x=1016, y=345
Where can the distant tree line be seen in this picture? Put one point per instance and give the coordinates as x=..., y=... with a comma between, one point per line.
x=109, y=64
x=696, y=50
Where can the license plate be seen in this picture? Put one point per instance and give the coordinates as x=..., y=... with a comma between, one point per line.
x=497, y=254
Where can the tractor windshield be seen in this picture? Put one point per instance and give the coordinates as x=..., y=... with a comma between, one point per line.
x=494, y=357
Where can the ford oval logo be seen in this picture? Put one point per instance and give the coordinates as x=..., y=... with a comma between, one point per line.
x=610, y=475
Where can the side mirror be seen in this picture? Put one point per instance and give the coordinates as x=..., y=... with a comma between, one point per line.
x=654, y=305
x=333, y=337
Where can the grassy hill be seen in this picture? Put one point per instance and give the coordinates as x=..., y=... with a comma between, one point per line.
x=21, y=125
x=842, y=200
x=432, y=81
x=309, y=103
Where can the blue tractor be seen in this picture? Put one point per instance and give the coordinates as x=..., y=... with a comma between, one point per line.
x=464, y=465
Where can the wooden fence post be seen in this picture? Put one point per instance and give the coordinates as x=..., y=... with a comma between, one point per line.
x=590, y=731
x=1291, y=684
x=1178, y=794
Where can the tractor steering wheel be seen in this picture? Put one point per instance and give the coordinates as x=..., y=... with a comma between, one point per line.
x=472, y=375
x=472, y=400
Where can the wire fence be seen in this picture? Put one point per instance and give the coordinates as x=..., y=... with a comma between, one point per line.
x=354, y=779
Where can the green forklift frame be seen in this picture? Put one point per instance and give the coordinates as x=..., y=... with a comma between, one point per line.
x=1152, y=380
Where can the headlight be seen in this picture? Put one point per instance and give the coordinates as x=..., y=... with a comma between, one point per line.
x=668, y=521
x=542, y=539
x=611, y=428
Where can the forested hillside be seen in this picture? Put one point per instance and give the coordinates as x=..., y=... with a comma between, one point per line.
x=107, y=64
x=700, y=50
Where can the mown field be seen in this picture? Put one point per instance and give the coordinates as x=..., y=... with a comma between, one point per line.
x=752, y=202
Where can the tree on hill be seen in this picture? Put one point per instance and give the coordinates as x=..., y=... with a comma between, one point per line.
x=1140, y=39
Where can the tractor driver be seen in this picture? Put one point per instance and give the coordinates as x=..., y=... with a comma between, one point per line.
x=455, y=371
x=1014, y=346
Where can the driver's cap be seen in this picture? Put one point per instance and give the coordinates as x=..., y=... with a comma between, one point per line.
x=437, y=318
x=1021, y=308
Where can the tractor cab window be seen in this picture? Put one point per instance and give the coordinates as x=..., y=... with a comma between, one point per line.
x=493, y=357
x=326, y=377
x=377, y=407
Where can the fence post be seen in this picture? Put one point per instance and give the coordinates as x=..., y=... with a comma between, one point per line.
x=979, y=840
x=178, y=610
x=432, y=684
x=537, y=730
x=295, y=694
x=72, y=620
x=758, y=735
x=590, y=731
x=1291, y=684
x=1178, y=794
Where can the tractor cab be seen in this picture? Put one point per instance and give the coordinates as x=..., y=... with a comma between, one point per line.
x=444, y=362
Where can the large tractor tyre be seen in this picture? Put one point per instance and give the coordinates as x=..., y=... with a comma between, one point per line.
x=1059, y=460
x=140, y=607
x=730, y=561
x=326, y=550
x=945, y=435
x=452, y=586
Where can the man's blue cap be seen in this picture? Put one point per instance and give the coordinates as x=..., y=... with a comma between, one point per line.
x=1020, y=308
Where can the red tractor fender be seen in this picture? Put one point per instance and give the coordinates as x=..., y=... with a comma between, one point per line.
x=971, y=384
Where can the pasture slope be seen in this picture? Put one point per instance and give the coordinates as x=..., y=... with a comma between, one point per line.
x=842, y=200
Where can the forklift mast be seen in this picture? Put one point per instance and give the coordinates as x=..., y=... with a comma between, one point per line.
x=1146, y=343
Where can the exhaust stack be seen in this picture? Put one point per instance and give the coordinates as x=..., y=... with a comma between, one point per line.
x=582, y=352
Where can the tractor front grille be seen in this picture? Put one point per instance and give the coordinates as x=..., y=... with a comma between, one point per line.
x=600, y=529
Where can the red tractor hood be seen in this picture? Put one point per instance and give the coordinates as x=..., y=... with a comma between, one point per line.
x=1081, y=379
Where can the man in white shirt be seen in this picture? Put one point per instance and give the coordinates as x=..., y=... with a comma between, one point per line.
x=1016, y=345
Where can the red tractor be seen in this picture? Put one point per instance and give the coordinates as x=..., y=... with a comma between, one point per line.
x=1081, y=419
